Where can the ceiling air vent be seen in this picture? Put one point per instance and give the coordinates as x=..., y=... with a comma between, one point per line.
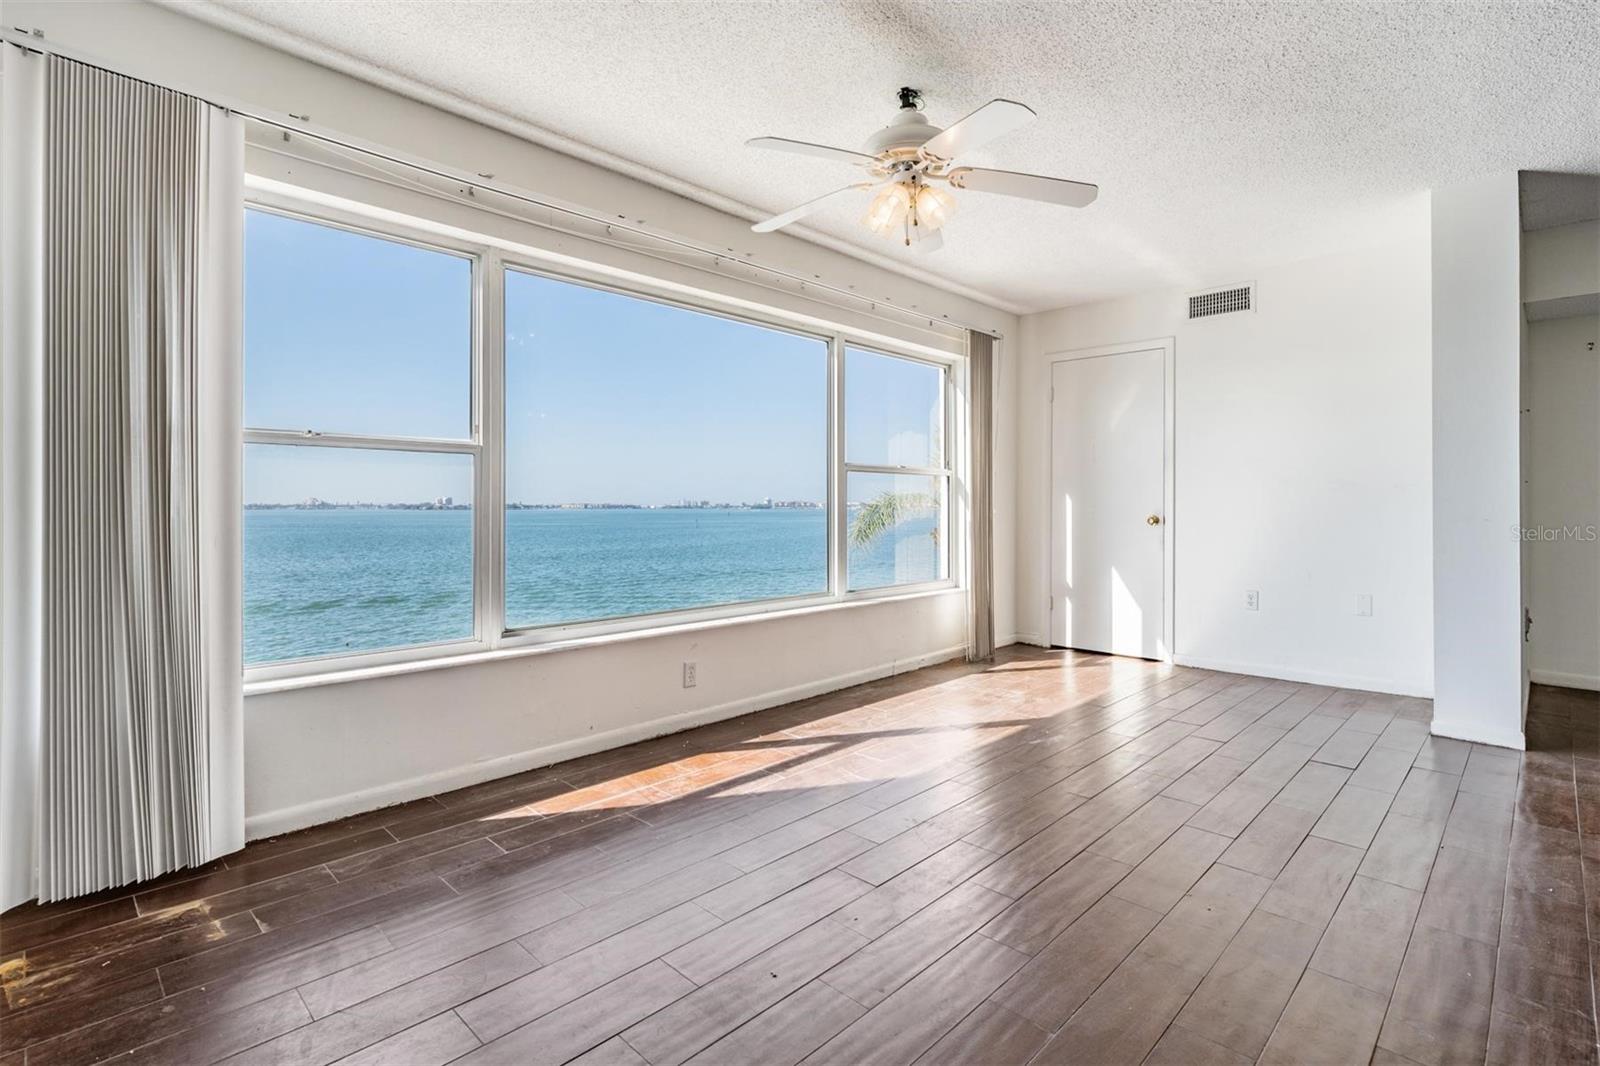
x=1221, y=301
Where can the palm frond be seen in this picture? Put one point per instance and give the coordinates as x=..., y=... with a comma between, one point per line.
x=885, y=511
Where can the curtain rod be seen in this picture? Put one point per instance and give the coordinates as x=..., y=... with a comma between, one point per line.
x=34, y=41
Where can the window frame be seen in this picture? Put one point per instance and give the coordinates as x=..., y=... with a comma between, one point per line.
x=552, y=631
x=472, y=445
x=945, y=472
x=490, y=262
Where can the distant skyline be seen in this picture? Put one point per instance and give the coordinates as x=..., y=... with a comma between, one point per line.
x=608, y=397
x=448, y=503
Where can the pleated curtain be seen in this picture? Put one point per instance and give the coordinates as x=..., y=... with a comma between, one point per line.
x=120, y=705
x=980, y=407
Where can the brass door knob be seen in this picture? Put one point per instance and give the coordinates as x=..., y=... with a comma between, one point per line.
x=1153, y=520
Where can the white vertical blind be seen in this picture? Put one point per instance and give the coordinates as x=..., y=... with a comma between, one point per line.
x=980, y=405
x=137, y=708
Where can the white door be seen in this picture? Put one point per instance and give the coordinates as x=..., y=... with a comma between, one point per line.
x=1108, y=487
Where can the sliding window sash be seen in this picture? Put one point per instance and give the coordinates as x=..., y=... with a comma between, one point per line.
x=485, y=610
x=311, y=438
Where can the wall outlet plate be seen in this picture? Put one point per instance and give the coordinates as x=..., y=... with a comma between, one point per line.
x=688, y=675
x=1364, y=604
x=1252, y=600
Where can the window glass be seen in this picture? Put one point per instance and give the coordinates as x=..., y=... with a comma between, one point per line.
x=894, y=411
x=657, y=458
x=349, y=333
x=894, y=529
x=349, y=550
x=352, y=550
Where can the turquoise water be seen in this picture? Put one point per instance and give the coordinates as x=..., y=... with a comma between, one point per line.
x=338, y=581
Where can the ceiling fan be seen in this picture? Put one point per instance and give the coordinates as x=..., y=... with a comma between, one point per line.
x=909, y=165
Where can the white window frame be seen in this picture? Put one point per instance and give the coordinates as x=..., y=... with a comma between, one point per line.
x=945, y=472
x=563, y=631
x=487, y=447
x=472, y=445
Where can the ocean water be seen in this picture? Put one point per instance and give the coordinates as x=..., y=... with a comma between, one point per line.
x=341, y=580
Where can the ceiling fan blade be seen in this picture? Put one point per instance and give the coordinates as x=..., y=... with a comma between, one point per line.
x=1027, y=186
x=784, y=144
x=796, y=213
x=994, y=119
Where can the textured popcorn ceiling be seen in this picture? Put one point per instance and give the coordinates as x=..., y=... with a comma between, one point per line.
x=1223, y=136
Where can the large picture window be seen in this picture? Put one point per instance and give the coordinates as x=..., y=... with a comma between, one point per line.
x=657, y=458
x=449, y=450
x=360, y=451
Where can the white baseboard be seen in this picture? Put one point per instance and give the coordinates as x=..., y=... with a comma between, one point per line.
x=1494, y=738
x=1561, y=679
x=1396, y=686
x=287, y=819
x=1031, y=638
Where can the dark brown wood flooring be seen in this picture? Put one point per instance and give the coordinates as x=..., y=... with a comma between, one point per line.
x=1059, y=858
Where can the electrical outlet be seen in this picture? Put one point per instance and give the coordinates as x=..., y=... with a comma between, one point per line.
x=1252, y=600
x=1364, y=604
x=688, y=675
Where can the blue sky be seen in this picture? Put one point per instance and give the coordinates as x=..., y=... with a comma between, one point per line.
x=608, y=398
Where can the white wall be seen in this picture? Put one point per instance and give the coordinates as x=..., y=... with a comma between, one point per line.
x=1524, y=502
x=1479, y=680
x=314, y=753
x=1561, y=453
x=319, y=752
x=1561, y=262
x=1562, y=468
x=1302, y=466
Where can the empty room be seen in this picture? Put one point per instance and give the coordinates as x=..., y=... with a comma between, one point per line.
x=759, y=533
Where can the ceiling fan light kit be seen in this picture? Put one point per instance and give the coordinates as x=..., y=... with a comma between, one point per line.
x=908, y=208
x=909, y=159
x=889, y=208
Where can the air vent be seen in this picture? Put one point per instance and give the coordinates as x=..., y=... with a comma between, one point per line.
x=1221, y=301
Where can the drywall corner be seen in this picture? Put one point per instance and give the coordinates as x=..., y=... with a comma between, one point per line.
x=1477, y=327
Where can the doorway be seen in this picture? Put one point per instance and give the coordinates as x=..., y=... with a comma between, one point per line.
x=1111, y=500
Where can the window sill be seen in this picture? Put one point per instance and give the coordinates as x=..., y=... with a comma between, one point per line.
x=475, y=657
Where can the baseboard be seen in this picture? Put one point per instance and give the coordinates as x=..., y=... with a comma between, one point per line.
x=1033, y=639
x=1561, y=679
x=1394, y=686
x=288, y=819
x=1492, y=737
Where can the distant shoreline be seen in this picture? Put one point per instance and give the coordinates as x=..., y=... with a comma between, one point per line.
x=785, y=506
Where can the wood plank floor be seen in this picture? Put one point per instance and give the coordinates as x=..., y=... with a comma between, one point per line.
x=1059, y=858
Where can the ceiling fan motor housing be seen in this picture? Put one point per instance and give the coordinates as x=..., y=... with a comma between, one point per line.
x=909, y=130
